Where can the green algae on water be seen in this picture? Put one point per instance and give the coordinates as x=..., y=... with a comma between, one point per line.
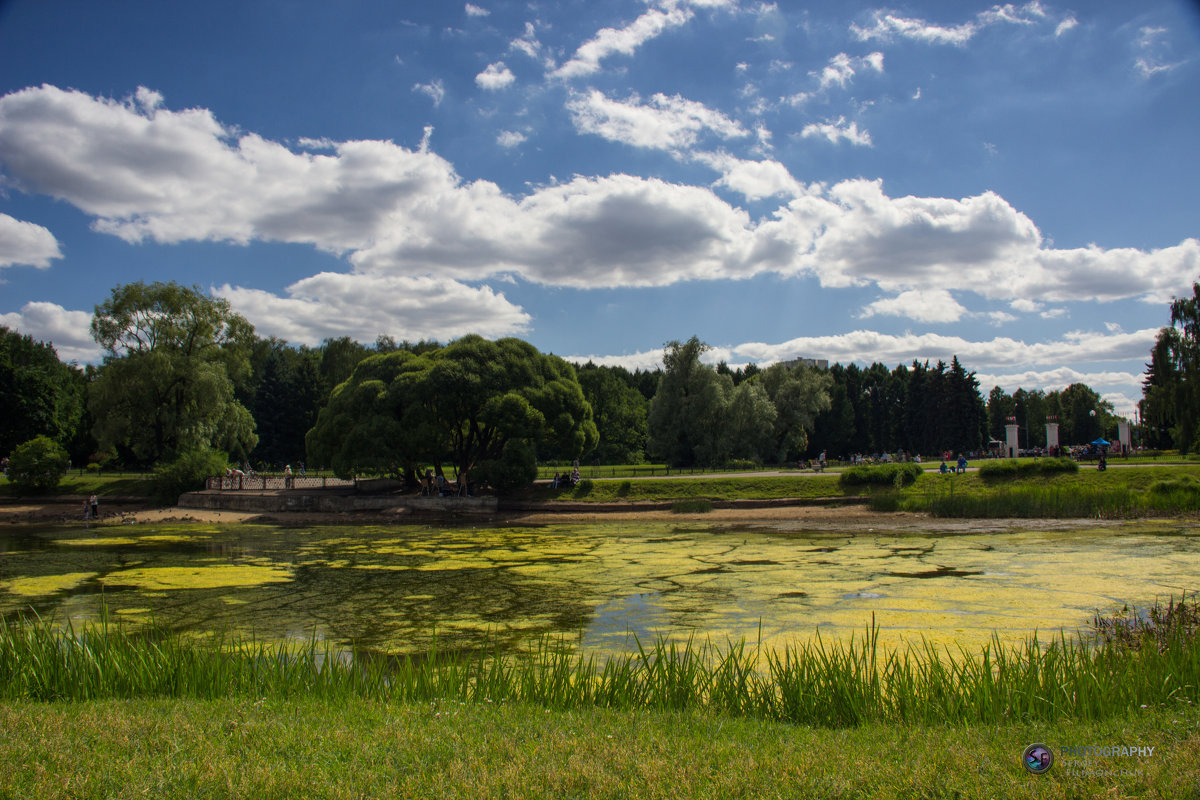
x=46, y=584
x=208, y=577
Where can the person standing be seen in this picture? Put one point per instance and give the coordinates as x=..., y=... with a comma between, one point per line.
x=95, y=504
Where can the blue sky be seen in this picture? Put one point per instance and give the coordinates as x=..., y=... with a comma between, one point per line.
x=1015, y=184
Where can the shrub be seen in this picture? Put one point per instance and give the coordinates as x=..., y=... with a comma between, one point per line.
x=1184, y=485
x=37, y=465
x=881, y=475
x=584, y=488
x=623, y=489
x=187, y=473
x=1009, y=468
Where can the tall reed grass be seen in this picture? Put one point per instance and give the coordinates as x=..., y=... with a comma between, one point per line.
x=1049, y=501
x=816, y=683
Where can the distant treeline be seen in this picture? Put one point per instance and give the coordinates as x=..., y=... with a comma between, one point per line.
x=183, y=373
x=919, y=408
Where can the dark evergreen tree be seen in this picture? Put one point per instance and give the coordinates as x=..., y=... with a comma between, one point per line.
x=39, y=395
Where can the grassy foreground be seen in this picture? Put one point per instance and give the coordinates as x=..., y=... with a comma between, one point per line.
x=356, y=748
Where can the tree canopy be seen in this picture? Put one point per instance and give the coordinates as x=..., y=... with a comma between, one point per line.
x=698, y=415
x=1171, y=389
x=39, y=395
x=474, y=403
x=167, y=382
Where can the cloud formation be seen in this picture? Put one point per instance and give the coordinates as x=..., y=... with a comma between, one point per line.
x=839, y=72
x=145, y=172
x=69, y=331
x=933, y=305
x=886, y=25
x=624, y=41
x=329, y=305
x=664, y=123
x=837, y=130
x=495, y=76
x=27, y=244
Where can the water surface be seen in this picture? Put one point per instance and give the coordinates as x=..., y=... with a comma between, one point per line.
x=392, y=588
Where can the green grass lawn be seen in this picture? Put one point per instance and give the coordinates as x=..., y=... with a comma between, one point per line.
x=811, y=486
x=710, y=488
x=74, y=483
x=1087, y=493
x=354, y=748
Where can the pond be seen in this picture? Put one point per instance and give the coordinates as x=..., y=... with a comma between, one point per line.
x=393, y=588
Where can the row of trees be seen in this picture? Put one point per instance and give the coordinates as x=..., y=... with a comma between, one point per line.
x=1081, y=413
x=183, y=373
x=1170, y=406
x=915, y=409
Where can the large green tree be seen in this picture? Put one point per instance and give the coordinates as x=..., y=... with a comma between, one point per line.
x=619, y=411
x=1171, y=400
x=707, y=415
x=39, y=395
x=476, y=404
x=798, y=395
x=284, y=398
x=686, y=415
x=166, y=386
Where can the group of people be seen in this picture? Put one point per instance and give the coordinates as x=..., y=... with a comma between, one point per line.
x=959, y=467
x=437, y=485
x=565, y=480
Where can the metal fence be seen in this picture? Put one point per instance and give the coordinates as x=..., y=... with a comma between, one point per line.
x=261, y=482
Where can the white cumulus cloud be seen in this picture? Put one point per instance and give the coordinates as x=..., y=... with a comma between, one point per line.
x=666, y=123
x=329, y=305
x=510, y=138
x=69, y=331
x=932, y=305
x=495, y=76
x=25, y=243
x=147, y=173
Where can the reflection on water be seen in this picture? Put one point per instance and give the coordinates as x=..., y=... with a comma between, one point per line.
x=393, y=588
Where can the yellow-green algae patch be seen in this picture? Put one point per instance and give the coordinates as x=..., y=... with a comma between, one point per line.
x=99, y=541
x=133, y=611
x=46, y=584
x=214, y=577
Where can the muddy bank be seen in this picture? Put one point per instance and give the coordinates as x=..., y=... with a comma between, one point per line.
x=138, y=511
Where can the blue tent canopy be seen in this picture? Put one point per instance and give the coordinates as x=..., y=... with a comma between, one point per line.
x=1102, y=442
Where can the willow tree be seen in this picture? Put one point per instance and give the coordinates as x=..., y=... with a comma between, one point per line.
x=166, y=386
x=486, y=407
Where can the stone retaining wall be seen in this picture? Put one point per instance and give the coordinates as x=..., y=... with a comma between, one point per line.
x=272, y=502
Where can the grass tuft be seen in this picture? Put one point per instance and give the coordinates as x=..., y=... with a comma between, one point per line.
x=1122, y=667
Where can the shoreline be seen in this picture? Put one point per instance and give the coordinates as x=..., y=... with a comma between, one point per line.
x=854, y=517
